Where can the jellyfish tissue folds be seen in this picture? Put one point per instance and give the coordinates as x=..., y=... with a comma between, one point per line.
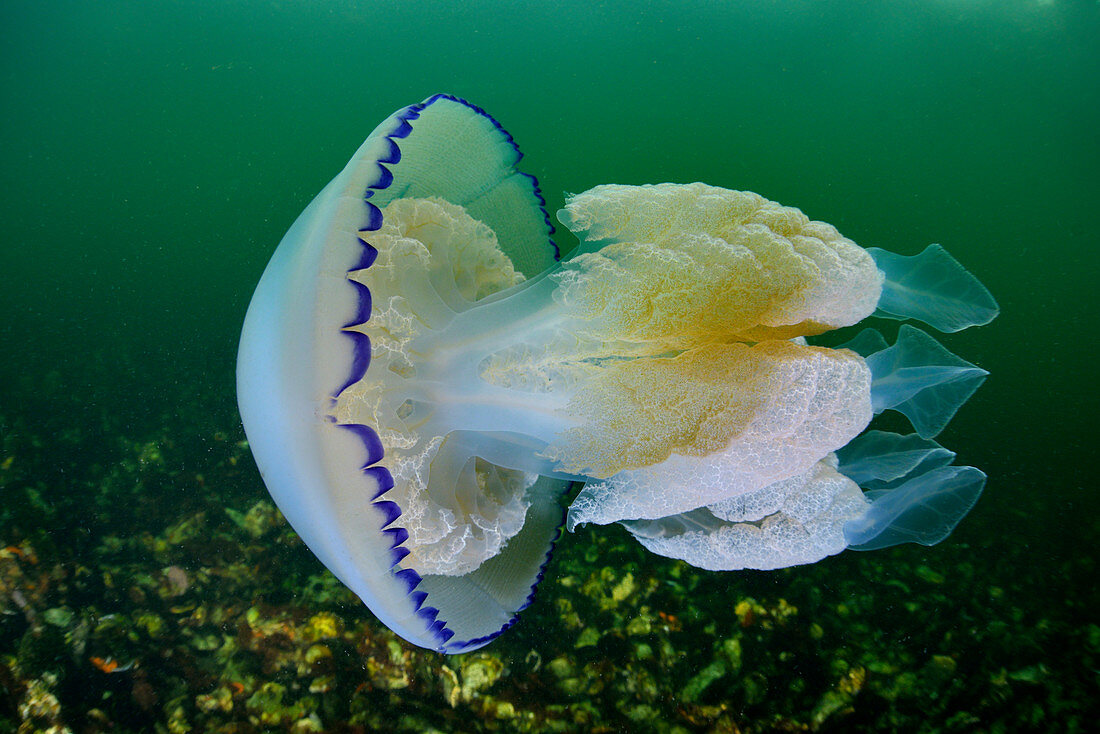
x=422, y=378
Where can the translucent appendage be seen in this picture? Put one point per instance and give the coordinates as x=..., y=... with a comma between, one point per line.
x=921, y=379
x=923, y=510
x=934, y=288
x=881, y=460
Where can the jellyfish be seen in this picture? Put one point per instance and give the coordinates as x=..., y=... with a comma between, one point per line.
x=425, y=383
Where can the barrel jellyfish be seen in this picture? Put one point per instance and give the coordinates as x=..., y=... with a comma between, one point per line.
x=422, y=379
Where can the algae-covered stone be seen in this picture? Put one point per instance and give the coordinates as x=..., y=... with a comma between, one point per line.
x=702, y=680
x=782, y=611
x=504, y=710
x=479, y=673
x=927, y=574
x=623, y=589
x=311, y=723
x=748, y=611
x=452, y=689
x=58, y=616
x=317, y=653
x=267, y=698
x=589, y=636
x=640, y=625
x=939, y=670
x=391, y=672
x=221, y=699
x=39, y=701
x=561, y=667
x=731, y=651
x=268, y=707
x=261, y=518
x=642, y=713
x=322, y=625
x=1093, y=638
x=567, y=613
x=177, y=721
x=187, y=529
x=839, y=699
x=150, y=453
x=572, y=686
x=151, y=623
x=1030, y=674
x=828, y=705
x=322, y=684
x=397, y=653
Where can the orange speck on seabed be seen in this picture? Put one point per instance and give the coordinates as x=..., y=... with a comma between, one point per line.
x=671, y=620
x=107, y=666
x=16, y=551
x=238, y=688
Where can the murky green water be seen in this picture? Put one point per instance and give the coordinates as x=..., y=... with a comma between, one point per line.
x=154, y=153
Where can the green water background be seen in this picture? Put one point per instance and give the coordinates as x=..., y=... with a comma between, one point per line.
x=153, y=154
